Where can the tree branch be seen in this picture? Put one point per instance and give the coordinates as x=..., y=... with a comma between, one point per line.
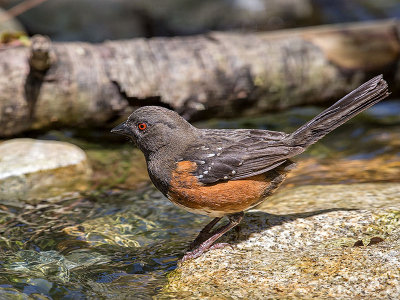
x=219, y=74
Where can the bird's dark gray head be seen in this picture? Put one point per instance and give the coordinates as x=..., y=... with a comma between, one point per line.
x=153, y=127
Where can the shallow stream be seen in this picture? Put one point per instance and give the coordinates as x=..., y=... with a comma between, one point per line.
x=121, y=239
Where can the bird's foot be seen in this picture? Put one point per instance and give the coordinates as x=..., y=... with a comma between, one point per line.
x=204, y=235
x=200, y=250
x=201, y=238
x=234, y=220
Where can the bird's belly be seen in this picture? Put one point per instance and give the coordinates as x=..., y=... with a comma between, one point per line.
x=221, y=198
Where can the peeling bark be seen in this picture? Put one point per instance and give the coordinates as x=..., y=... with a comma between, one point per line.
x=224, y=74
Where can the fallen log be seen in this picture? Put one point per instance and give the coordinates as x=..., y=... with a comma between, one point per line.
x=219, y=74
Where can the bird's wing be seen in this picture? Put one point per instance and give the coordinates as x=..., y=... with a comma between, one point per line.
x=223, y=155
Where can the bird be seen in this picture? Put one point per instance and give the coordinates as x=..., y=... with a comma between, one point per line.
x=224, y=172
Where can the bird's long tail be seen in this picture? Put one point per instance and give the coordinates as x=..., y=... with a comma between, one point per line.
x=350, y=105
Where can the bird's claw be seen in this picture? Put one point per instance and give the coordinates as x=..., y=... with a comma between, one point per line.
x=200, y=250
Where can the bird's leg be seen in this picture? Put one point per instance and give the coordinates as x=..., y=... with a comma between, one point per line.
x=234, y=220
x=204, y=233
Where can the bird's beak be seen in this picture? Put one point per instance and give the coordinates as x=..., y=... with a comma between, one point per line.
x=122, y=129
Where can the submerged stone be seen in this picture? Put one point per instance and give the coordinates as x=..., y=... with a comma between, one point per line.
x=147, y=219
x=339, y=241
x=53, y=264
x=35, y=169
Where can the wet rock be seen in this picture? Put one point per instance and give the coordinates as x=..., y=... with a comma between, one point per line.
x=303, y=199
x=34, y=169
x=339, y=241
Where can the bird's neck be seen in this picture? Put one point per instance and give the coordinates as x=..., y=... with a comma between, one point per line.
x=161, y=163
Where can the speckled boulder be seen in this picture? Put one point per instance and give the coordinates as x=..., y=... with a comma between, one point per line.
x=322, y=242
x=35, y=169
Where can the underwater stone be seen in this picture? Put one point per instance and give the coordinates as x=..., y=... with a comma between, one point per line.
x=35, y=169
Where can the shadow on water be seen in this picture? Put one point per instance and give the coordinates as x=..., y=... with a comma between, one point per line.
x=114, y=243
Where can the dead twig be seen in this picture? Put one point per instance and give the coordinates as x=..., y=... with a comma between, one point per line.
x=20, y=9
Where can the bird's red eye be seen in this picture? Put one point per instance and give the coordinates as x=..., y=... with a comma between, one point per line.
x=142, y=126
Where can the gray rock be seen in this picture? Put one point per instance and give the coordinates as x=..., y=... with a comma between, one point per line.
x=9, y=24
x=35, y=169
x=340, y=241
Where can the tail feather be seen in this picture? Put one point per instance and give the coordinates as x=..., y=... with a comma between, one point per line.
x=346, y=108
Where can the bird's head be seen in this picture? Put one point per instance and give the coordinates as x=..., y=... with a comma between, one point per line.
x=153, y=127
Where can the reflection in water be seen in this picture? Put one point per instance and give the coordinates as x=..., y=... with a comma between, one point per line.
x=116, y=243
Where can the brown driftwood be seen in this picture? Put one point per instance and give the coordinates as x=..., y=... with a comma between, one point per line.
x=220, y=74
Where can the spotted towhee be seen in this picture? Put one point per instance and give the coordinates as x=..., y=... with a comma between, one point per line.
x=223, y=172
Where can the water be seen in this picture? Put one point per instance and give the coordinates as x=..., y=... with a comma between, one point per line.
x=121, y=239
x=111, y=245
